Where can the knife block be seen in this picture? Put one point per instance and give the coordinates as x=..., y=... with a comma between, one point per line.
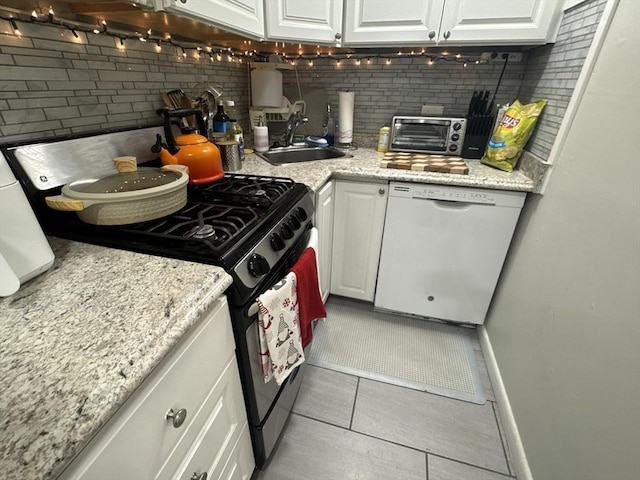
x=477, y=134
x=474, y=146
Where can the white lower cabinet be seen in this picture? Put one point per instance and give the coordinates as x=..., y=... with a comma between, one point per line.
x=359, y=213
x=324, y=224
x=186, y=418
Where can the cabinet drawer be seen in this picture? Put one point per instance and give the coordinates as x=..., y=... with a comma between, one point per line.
x=224, y=421
x=139, y=438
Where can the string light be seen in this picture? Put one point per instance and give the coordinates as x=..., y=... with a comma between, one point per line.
x=234, y=56
x=16, y=30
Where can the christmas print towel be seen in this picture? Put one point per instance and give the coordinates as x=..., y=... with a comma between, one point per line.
x=279, y=329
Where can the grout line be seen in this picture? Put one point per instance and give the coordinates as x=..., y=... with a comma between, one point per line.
x=359, y=433
x=485, y=469
x=502, y=439
x=353, y=409
x=426, y=461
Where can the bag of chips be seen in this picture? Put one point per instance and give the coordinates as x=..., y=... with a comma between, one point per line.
x=511, y=135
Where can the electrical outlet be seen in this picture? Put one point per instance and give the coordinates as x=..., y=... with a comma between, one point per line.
x=432, y=109
x=498, y=57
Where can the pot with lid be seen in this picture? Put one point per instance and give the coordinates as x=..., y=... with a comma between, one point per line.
x=132, y=195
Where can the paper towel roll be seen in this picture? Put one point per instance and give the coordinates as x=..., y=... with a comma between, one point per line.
x=345, y=119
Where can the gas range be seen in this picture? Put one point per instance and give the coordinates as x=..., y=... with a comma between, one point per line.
x=246, y=224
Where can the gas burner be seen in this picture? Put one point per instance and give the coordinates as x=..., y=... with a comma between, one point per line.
x=201, y=231
x=258, y=193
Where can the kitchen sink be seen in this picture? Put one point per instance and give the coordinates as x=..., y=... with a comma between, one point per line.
x=287, y=155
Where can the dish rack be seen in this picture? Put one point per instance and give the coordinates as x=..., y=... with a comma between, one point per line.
x=275, y=114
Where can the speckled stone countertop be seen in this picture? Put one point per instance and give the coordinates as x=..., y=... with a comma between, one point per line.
x=76, y=341
x=365, y=166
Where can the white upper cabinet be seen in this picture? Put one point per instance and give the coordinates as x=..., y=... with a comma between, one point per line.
x=310, y=21
x=244, y=17
x=450, y=22
x=499, y=22
x=381, y=22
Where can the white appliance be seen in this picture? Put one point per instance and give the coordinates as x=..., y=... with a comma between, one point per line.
x=443, y=249
x=24, y=250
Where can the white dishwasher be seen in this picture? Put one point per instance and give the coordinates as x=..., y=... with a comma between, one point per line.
x=443, y=248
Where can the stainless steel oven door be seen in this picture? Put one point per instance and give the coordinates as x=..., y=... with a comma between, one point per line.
x=274, y=402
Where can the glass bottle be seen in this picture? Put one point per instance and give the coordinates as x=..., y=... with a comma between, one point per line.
x=236, y=134
x=220, y=119
x=329, y=127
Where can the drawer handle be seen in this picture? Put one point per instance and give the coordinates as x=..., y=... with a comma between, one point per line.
x=381, y=191
x=178, y=418
x=202, y=476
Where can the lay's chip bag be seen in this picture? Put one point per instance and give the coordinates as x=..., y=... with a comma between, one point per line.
x=511, y=135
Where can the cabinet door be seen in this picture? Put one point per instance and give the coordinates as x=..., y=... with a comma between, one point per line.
x=324, y=224
x=375, y=22
x=357, y=236
x=317, y=21
x=245, y=17
x=499, y=22
x=139, y=439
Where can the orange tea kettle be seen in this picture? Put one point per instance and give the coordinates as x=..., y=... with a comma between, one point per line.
x=190, y=149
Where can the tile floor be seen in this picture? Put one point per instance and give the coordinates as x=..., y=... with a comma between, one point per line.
x=347, y=427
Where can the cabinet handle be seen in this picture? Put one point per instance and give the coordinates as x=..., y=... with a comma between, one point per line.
x=431, y=298
x=202, y=476
x=183, y=1
x=432, y=34
x=178, y=418
x=446, y=34
x=381, y=191
x=338, y=36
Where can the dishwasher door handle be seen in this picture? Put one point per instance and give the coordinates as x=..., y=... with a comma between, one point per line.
x=447, y=204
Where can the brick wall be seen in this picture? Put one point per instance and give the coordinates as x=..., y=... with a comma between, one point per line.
x=382, y=90
x=553, y=70
x=52, y=84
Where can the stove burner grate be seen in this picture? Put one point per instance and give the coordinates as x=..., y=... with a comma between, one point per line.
x=215, y=224
x=244, y=190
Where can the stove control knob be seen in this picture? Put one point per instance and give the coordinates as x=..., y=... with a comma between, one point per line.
x=301, y=214
x=293, y=222
x=457, y=126
x=286, y=231
x=258, y=265
x=277, y=243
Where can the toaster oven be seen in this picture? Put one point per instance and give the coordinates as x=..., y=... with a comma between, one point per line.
x=436, y=135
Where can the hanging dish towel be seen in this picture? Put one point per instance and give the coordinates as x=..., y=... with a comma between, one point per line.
x=310, y=303
x=279, y=330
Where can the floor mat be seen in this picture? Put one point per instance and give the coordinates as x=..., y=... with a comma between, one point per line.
x=405, y=351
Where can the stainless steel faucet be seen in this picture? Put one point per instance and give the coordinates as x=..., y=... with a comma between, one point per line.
x=295, y=120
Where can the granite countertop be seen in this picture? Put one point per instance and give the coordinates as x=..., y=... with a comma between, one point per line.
x=76, y=341
x=365, y=166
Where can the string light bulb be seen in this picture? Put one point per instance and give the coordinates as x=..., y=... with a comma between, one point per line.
x=16, y=30
x=34, y=15
x=388, y=61
x=104, y=26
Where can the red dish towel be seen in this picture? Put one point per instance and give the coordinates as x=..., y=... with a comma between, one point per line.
x=309, y=299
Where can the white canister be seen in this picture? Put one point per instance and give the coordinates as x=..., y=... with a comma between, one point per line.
x=266, y=87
